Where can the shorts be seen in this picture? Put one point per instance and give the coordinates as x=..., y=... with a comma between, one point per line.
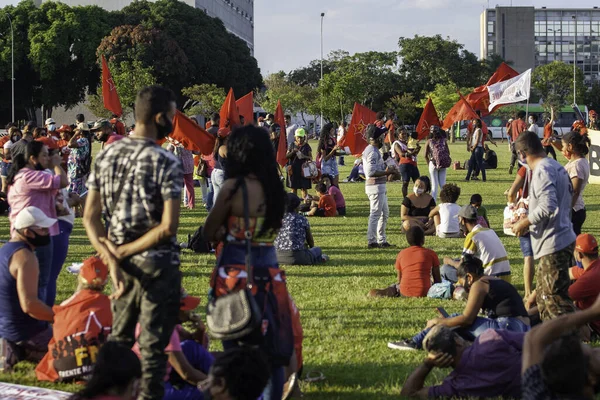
x=526, y=249
x=4, y=168
x=408, y=172
x=330, y=167
x=341, y=211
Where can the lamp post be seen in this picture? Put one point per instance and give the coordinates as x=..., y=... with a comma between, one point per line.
x=554, y=39
x=12, y=62
x=322, y=17
x=575, y=63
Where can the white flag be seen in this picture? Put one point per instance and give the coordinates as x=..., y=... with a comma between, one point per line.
x=510, y=91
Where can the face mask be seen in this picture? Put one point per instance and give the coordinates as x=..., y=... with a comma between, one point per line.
x=51, y=128
x=418, y=190
x=39, y=167
x=16, y=139
x=164, y=130
x=39, y=240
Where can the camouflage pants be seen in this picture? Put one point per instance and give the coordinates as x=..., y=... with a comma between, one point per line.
x=154, y=304
x=553, y=282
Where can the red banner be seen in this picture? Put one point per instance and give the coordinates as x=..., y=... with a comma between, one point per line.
x=355, y=137
x=461, y=111
x=480, y=98
x=428, y=118
x=229, y=112
x=245, y=107
x=190, y=135
x=109, y=91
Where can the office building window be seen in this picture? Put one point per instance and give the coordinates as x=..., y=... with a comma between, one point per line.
x=490, y=27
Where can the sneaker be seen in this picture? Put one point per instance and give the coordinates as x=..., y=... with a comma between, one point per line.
x=373, y=246
x=345, y=181
x=510, y=170
x=405, y=345
x=390, y=291
x=386, y=245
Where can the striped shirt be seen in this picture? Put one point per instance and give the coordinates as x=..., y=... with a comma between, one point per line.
x=485, y=245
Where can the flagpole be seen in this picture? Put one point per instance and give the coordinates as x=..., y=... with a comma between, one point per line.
x=527, y=109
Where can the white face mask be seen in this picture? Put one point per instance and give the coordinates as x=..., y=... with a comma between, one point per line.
x=51, y=128
x=531, y=120
x=417, y=190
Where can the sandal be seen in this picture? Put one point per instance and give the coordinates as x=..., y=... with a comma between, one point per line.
x=314, y=376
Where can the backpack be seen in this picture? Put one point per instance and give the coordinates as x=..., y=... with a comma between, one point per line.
x=197, y=243
x=440, y=154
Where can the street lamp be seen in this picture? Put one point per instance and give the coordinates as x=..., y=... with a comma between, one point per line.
x=575, y=63
x=12, y=61
x=554, y=39
x=322, y=17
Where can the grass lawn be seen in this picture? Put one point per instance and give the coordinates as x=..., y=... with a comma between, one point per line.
x=346, y=333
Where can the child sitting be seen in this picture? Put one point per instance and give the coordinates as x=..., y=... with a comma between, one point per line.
x=326, y=205
x=445, y=215
x=357, y=174
x=482, y=218
x=415, y=265
x=334, y=191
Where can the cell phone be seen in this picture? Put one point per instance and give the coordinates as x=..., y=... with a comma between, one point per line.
x=443, y=313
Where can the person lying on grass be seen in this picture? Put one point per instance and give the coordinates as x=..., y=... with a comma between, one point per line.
x=326, y=206
x=416, y=266
x=496, y=298
x=488, y=367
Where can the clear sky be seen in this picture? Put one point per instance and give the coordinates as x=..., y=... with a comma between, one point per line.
x=287, y=32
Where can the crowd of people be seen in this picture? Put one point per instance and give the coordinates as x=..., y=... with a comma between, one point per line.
x=134, y=342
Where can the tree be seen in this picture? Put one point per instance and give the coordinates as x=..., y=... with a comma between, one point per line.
x=405, y=107
x=592, y=96
x=209, y=98
x=295, y=99
x=554, y=83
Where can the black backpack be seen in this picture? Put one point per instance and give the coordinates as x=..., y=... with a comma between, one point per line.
x=197, y=244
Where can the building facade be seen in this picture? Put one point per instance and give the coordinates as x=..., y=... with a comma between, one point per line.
x=530, y=37
x=237, y=15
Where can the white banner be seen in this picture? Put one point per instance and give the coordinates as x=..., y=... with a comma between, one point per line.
x=594, y=157
x=18, y=392
x=510, y=91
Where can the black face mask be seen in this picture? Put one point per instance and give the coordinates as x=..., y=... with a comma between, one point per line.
x=162, y=131
x=38, y=240
x=39, y=167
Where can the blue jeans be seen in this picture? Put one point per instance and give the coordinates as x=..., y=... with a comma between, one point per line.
x=330, y=167
x=480, y=325
x=210, y=197
x=200, y=359
x=44, y=255
x=60, y=248
x=262, y=256
x=449, y=273
x=525, y=243
x=341, y=162
x=476, y=158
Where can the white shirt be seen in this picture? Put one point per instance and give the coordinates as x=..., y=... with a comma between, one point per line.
x=373, y=162
x=534, y=128
x=449, y=218
x=579, y=168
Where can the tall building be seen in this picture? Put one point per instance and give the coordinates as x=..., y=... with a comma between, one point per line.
x=530, y=37
x=237, y=15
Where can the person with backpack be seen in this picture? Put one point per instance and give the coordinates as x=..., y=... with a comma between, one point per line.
x=437, y=156
x=80, y=161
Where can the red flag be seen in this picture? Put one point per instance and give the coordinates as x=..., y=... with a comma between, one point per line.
x=428, y=118
x=190, y=135
x=282, y=147
x=245, y=107
x=109, y=91
x=229, y=112
x=461, y=111
x=355, y=137
x=480, y=99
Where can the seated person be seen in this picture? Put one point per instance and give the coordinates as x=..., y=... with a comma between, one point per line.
x=482, y=243
x=555, y=362
x=24, y=328
x=189, y=361
x=490, y=159
x=357, y=174
x=240, y=373
x=445, y=216
x=294, y=236
x=116, y=375
x=85, y=316
x=417, y=206
x=334, y=191
x=482, y=218
x=415, y=265
x=326, y=206
x=586, y=287
x=496, y=298
x=489, y=367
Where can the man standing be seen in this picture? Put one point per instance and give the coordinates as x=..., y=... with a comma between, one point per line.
x=517, y=126
x=21, y=146
x=290, y=129
x=103, y=130
x=376, y=174
x=549, y=221
x=137, y=185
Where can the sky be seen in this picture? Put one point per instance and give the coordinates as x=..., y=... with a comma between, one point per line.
x=287, y=32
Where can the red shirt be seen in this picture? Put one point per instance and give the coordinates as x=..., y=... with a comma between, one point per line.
x=586, y=289
x=327, y=203
x=547, y=131
x=3, y=141
x=389, y=137
x=416, y=263
x=49, y=142
x=113, y=137
x=517, y=127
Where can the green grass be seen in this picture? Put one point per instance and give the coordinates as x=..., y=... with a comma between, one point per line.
x=346, y=333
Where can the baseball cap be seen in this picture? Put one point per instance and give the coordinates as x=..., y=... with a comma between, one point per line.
x=101, y=123
x=187, y=302
x=373, y=132
x=468, y=212
x=300, y=132
x=223, y=132
x=50, y=121
x=94, y=272
x=64, y=128
x=586, y=243
x=33, y=216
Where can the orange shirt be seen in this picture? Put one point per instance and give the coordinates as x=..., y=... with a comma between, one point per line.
x=517, y=127
x=548, y=131
x=416, y=263
x=389, y=136
x=327, y=203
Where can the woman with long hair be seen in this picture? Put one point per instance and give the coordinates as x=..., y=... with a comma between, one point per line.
x=327, y=149
x=575, y=148
x=251, y=168
x=417, y=206
x=298, y=153
x=476, y=149
x=30, y=185
x=116, y=375
x=220, y=157
x=437, y=156
x=79, y=163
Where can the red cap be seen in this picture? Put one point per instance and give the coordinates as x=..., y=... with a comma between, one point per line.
x=187, y=302
x=64, y=128
x=224, y=132
x=94, y=272
x=586, y=243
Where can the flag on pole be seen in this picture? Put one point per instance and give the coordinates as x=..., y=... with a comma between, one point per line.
x=245, y=107
x=229, y=112
x=480, y=99
x=109, y=91
x=461, y=111
x=428, y=118
x=282, y=146
x=510, y=91
x=355, y=140
x=190, y=135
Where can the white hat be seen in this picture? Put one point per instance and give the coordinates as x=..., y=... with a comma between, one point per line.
x=33, y=216
x=50, y=121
